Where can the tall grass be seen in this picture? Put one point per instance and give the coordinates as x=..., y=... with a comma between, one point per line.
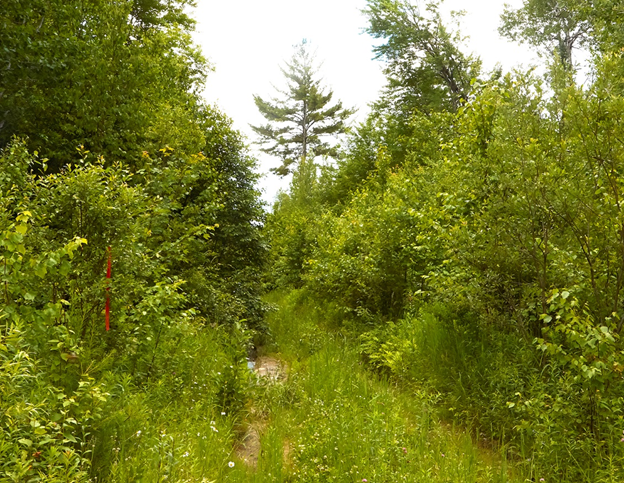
x=344, y=423
x=331, y=420
x=177, y=427
x=494, y=383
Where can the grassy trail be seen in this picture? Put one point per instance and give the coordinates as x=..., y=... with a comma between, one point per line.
x=330, y=420
x=334, y=421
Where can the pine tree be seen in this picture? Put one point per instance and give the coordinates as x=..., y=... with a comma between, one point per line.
x=300, y=121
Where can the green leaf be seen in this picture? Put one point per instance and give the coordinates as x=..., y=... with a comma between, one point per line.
x=25, y=441
x=41, y=270
x=70, y=437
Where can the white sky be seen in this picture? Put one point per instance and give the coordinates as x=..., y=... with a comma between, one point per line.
x=247, y=40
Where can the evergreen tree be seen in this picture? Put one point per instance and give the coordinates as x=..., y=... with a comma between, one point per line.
x=303, y=118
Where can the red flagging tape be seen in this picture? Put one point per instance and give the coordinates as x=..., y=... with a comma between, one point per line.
x=108, y=276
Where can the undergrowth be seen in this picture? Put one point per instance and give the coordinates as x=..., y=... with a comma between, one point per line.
x=333, y=420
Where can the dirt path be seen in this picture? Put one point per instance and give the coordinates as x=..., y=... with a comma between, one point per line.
x=270, y=367
x=249, y=449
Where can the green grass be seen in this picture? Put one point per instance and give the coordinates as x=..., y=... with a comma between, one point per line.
x=332, y=420
x=176, y=428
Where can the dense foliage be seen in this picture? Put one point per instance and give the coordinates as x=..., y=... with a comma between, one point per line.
x=136, y=172
x=474, y=241
x=467, y=246
x=179, y=270
x=116, y=77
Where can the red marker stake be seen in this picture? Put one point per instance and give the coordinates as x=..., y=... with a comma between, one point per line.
x=108, y=276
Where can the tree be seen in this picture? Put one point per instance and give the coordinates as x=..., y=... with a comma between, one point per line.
x=116, y=77
x=293, y=227
x=425, y=68
x=299, y=122
x=554, y=25
x=427, y=74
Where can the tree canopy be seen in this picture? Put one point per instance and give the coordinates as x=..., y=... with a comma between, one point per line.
x=115, y=77
x=550, y=25
x=131, y=246
x=425, y=67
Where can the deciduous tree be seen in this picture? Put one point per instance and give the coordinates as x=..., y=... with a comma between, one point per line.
x=426, y=70
x=116, y=77
x=552, y=25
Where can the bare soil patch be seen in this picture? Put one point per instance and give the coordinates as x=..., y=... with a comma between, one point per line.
x=250, y=447
x=270, y=367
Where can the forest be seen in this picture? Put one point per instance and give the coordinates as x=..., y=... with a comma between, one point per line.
x=437, y=297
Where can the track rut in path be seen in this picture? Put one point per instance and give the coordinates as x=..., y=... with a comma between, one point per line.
x=249, y=449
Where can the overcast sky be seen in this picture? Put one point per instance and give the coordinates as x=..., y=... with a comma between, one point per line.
x=247, y=40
